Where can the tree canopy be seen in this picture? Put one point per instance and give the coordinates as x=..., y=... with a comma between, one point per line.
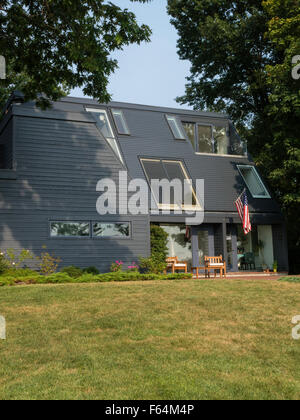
x=52, y=46
x=241, y=56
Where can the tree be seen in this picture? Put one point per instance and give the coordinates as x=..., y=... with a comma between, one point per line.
x=241, y=62
x=52, y=46
x=281, y=157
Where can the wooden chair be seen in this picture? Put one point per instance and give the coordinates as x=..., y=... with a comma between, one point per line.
x=175, y=265
x=216, y=263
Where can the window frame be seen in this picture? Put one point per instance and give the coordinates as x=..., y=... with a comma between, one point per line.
x=253, y=168
x=175, y=207
x=104, y=111
x=114, y=137
x=179, y=126
x=122, y=238
x=197, y=123
x=69, y=222
x=124, y=120
x=91, y=230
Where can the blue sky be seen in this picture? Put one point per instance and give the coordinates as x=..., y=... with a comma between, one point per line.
x=151, y=73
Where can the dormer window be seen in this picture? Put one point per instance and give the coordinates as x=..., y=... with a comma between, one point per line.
x=176, y=128
x=170, y=170
x=120, y=122
x=207, y=138
x=105, y=127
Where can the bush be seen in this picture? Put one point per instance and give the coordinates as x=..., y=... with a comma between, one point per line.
x=92, y=270
x=3, y=264
x=58, y=278
x=152, y=265
x=72, y=271
x=64, y=278
x=159, y=243
x=20, y=272
x=48, y=263
x=133, y=267
x=116, y=267
x=17, y=258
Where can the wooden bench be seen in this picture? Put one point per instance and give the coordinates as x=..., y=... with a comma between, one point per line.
x=216, y=264
x=175, y=265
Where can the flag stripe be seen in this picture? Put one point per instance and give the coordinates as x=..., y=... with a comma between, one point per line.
x=243, y=210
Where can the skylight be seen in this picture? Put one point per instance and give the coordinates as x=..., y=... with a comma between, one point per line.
x=175, y=126
x=120, y=122
x=253, y=181
x=106, y=129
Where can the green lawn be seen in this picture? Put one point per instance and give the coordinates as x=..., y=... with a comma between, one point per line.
x=214, y=339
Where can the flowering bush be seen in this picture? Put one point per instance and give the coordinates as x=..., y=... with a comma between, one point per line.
x=133, y=267
x=116, y=267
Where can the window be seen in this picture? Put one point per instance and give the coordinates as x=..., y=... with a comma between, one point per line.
x=120, y=121
x=205, y=139
x=253, y=181
x=111, y=230
x=106, y=129
x=159, y=169
x=84, y=229
x=210, y=139
x=221, y=140
x=177, y=131
x=70, y=229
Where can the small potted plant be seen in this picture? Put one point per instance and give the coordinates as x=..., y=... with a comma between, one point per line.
x=275, y=266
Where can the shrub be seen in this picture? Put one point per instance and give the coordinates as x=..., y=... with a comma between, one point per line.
x=159, y=243
x=152, y=265
x=92, y=270
x=133, y=267
x=48, y=263
x=3, y=263
x=20, y=272
x=16, y=259
x=72, y=271
x=57, y=278
x=116, y=267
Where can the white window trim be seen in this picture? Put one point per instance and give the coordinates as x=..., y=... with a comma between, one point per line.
x=222, y=156
x=103, y=111
x=267, y=196
x=98, y=110
x=172, y=207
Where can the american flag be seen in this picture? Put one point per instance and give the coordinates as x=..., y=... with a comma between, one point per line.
x=243, y=210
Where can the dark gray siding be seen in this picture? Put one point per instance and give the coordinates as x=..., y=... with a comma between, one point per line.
x=6, y=145
x=280, y=247
x=59, y=163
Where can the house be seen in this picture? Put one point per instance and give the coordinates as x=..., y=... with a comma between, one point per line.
x=52, y=161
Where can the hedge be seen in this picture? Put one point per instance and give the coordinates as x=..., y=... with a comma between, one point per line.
x=63, y=278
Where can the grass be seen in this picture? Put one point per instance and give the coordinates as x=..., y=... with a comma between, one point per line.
x=209, y=339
